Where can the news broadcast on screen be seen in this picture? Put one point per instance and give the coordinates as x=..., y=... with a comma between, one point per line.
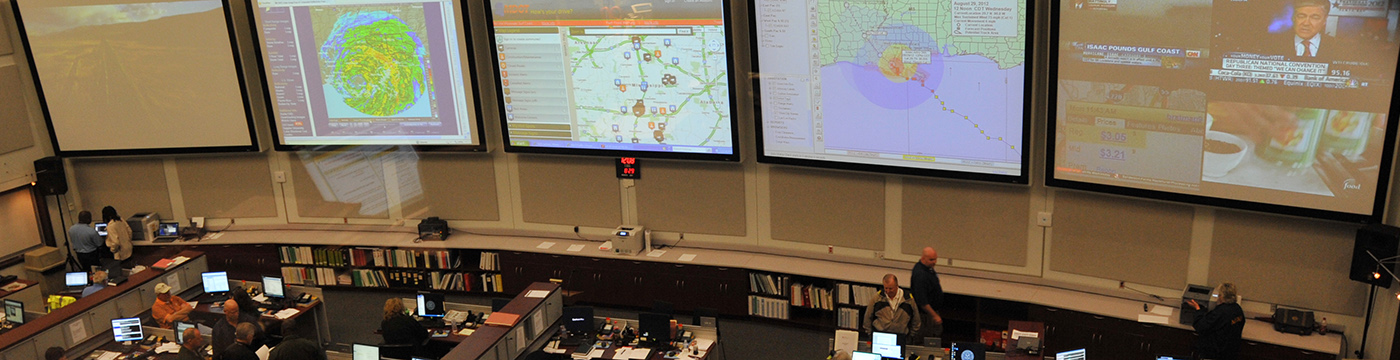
x=1279, y=104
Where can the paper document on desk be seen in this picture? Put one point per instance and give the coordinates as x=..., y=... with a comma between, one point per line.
x=263, y=352
x=638, y=354
x=108, y=355
x=656, y=253
x=168, y=348
x=215, y=235
x=1162, y=310
x=545, y=245
x=539, y=294
x=286, y=313
x=1018, y=334
x=704, y=344
x=687, y=257
x=260, y=298
x=595, y=354
x=620, y=353
x=575, y=248
x=1154, y=319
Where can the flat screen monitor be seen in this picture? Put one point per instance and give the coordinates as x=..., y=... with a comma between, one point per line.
x=180, y=327
x=101, y=229
x=967, y=351
x=215, y=282
x=578, y=319
x=14, y=311
x=655, y=327
x=883, y=338
x=431, y=305
x=364, y=352
x=1170, y=357
x=190, y=94
x=916, y=88
x=1079, y=354
x=629, y=78
x=858, y=355
x=168, y=230
x=76, y=279
x=1216, y=102
x=369, y=72
x=273, y=287
x=126, y=329
x=888, y=351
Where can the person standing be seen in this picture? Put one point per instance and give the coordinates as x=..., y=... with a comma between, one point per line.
x=1220, y=329
x=190, y=349
x=85, y=242
x=118, y=234
x=892, y=311
x=242, y=348
x=928, y=292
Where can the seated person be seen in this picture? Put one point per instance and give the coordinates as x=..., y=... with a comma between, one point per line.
x=892, y=311
x=224, y=330
x=190, y=349
x=399, y=329
x=294, y=347
x=54, y=353
x=99, y=282
x=169, y=308
x=242, y=348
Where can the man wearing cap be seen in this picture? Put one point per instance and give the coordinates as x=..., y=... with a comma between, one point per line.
x=169, y=308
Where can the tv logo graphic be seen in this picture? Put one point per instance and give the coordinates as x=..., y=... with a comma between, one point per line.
x=1351, y=184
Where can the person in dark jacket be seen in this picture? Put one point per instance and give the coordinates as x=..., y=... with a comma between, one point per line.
x=190, y=349
x=295, y=347
x=225, y=330
x=242, y=348
x=1221, y=328
x=892, y=310
x=400, y=329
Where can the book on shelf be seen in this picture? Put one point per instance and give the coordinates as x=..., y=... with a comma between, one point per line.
x=768, y=307
x=848, y=318
x=767, y=284
x=369, y=256
x=490, y=261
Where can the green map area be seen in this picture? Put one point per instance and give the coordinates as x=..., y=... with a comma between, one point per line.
x=848, y=28
x=373, y=56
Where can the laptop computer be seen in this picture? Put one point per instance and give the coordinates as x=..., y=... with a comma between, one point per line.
x=167, y=232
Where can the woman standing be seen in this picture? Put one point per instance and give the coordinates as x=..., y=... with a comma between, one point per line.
x=118, y=234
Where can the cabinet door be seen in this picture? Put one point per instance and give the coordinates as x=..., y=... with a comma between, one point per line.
x=22, y=351
x=129, y=304
x=1065, y=336
x=101, y=317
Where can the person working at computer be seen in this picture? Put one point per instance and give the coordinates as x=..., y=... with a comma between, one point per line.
x=294, y=347
x=85, y=241
x=225, y=329
x=892, y=310
x=118, y=234
x=190, y=349
x=1221, y=328
x=242, y=348
x=169, y=308
x=99, y=282
x=400, y=329
x=928, y=293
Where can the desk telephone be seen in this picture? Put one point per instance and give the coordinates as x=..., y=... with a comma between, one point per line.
x=305, y=298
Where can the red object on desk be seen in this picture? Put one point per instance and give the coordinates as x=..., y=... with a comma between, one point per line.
x=502, y=319
x=163, y=263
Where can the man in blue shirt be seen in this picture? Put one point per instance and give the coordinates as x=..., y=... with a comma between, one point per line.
x=99, y=282
x=85, y=241
x=928, y=292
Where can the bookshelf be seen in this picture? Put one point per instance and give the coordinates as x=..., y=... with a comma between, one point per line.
x=800, y=299
x=851, y=299
x=391, y=268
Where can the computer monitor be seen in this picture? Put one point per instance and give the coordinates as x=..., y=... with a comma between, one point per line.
x=215, y=282
x=272, y=286
x=126, y=329
x=180, y=327
x=101, y=229
x=76, y=279
x=431, y=305
x=1171, y=357
x=14, y=311
x=654, y=327
x=1080, y=354
x=883, y=338
x=967, y=351
x=364, y=352
x=887, y=351
x=168, y=230
x=578, y=319
x=858, y=355
x=498, y=304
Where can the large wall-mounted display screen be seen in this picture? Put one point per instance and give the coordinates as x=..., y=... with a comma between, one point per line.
x=927, y=87
x=1277, y=105
x=137, y=77
x=638, y=77
x=369, y=72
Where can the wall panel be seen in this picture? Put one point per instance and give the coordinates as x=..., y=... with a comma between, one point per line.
x=570, y=190
x=1286, y=260
x=132, y=185
x=1144, y=242
x=16, y=131
x=692, y=197
x=966, y=221
x=827, y=207
x=20, y=222
x=210, y=188
x=456, y=187
x=320, y=200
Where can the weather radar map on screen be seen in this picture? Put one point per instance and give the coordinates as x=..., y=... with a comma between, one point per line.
x=1275, y=105
x=921, y=84
x=631, y=75
x=379, y=72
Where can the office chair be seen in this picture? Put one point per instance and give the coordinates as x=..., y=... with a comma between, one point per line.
x=663, y=307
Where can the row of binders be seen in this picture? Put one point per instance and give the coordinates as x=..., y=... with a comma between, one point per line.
x=767, y=284
x=342, y=256
x=848, y=318
x=768, y=307
x=852, y=294
x=407, y=279
x=809, y=296
x=490, y=261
